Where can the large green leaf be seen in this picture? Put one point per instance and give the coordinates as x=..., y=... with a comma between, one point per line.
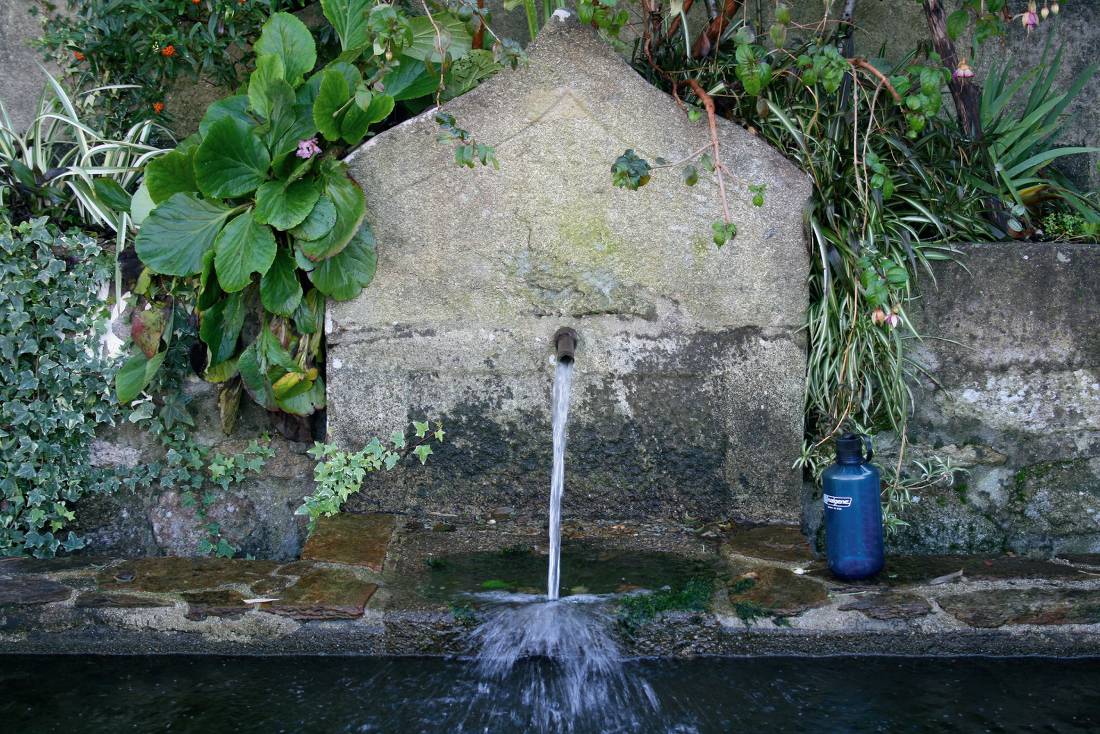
x=244, y=247
x=235, y=107
x=253, y=377
x=319, y=222
x=349, y=19
x=305, y=403
x=424, y=37
x=288, y=38
x=177, y=234
x=289, y=123
x=280, y=290
x=221, y=327
x=171, y=173
x=331, y=103
x=357, y=120
x=135, y=374
x=269, y=69
x=231, y=161
x=285, y=206
x=346, y=273
x=209, y=290
x=351, y=208
x=410, y=80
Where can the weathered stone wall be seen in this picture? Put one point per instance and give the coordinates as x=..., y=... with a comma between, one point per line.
x=256, y=515
x=688, y=393
x=21, y=79
x=1012, y=340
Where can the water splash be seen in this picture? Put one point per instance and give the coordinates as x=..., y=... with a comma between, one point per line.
x=563, y=380
x=565, y=660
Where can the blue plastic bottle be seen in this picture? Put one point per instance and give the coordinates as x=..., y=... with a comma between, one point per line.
x=853, y=515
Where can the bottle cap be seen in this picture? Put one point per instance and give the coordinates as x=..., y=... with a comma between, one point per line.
x=849, y=449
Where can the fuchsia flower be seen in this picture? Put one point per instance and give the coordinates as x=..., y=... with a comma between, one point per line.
x=963, y=71
x=1030, y=18
x=308, y=148
x=892, y=320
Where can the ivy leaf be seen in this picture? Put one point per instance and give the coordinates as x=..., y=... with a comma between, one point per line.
x=397, y=438
x=342, y=276
x=244, y=247
x=170, y=173
x=333, y=96
x=349, y=19
x=177, y=234
x=285, y=36
x=230, y=161
x=269, y=69
x=351, y=209
x=629, y=171
x=235, y=107
x=280, y=290
x=286, y=206
x=421, y=428
x=320, y=220
x=221, y=327
x=135, y=374
x=423, y=451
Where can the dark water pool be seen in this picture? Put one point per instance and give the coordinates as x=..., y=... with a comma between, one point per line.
x=215, y=695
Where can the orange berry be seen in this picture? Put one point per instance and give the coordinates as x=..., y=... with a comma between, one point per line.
x=158, y=107
x=78, y=56
x=168, y=50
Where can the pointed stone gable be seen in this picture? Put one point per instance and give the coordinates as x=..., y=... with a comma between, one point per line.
x=688, y=393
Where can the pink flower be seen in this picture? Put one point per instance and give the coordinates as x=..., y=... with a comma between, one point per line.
x=1030, y=19
x=893, y=320
x=308, y=148
x=963, y=71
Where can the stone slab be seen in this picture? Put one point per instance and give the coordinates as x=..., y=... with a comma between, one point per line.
x=184, y=574
x=687, y=397
x=25, y=590
x=356, y=540
x=324, y=593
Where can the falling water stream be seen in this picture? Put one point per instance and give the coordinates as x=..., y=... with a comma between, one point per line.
x=561, y=653
x=563, y=379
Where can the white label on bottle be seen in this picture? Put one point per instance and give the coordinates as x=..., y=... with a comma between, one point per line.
x=837, y=503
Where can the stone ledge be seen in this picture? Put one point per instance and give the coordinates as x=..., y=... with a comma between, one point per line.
x=763, y=603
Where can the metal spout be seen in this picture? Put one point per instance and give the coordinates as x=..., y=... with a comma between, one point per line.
x=565, y=344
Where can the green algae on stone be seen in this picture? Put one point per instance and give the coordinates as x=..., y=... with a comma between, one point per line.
x=354, y=540
x=776, y=591
x=769, y=542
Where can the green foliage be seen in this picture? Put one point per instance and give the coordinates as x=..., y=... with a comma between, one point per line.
x=634, y=610
x=263, y=222
x=53, y=384
x=149, y=44
x=629, y=171
x=1067, y=226
x=65, y=168
x=340, y=474
x=468, y=151
x=1019, y=138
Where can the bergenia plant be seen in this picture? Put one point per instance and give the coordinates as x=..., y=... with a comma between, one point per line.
x=257, y=209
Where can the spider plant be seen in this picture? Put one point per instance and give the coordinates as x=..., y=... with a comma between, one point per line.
x=62, y=168
x=1020, y=137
